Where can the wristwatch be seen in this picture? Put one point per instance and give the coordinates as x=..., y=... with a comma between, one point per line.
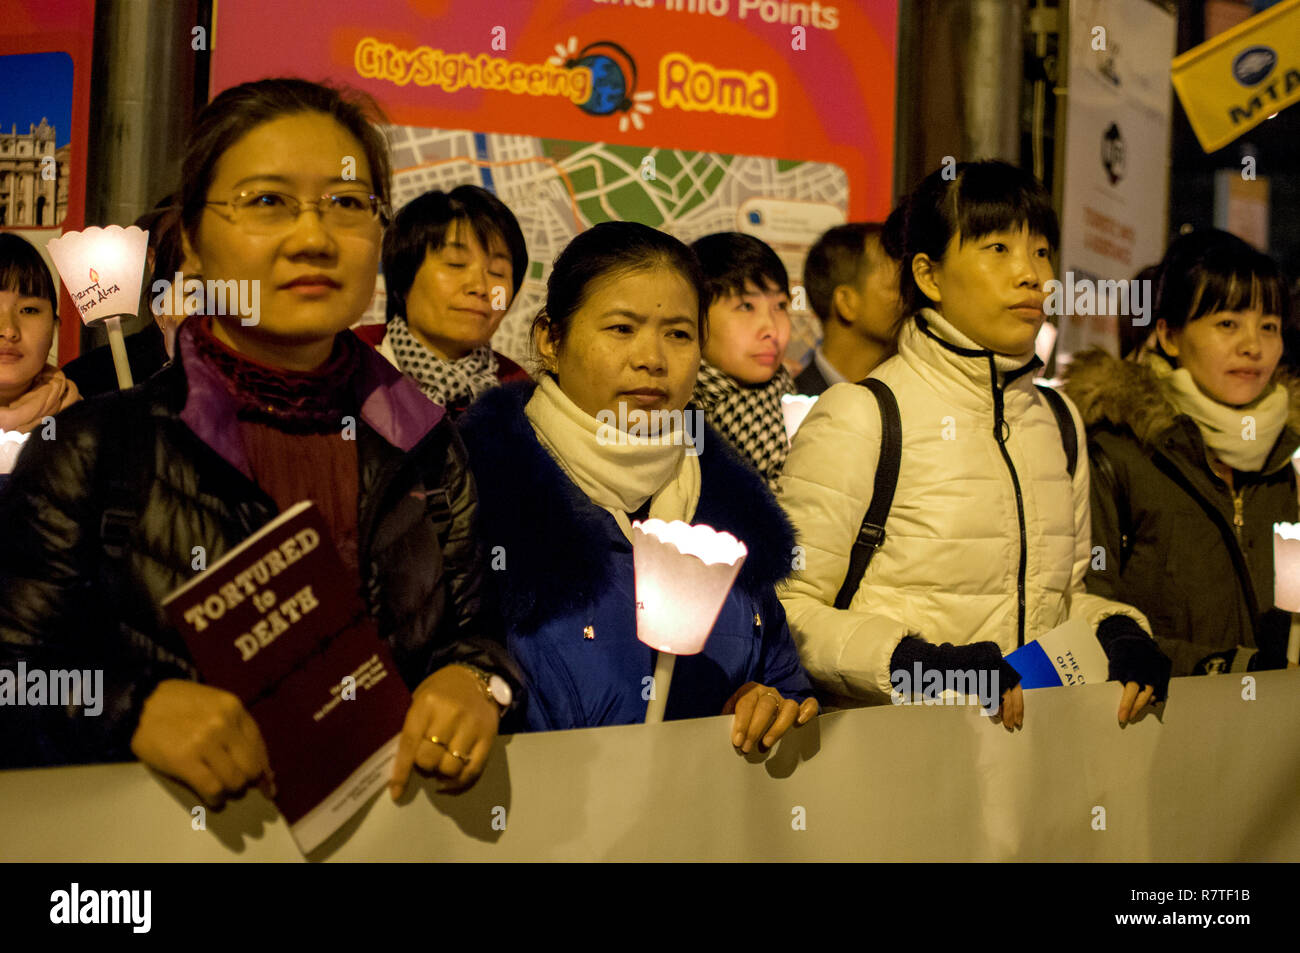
x=495, y=687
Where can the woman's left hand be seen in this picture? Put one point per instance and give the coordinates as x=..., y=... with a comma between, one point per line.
x=449, y=731
x=1134, y=699
x=761, y=713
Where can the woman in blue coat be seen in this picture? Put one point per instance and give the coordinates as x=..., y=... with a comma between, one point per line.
x=562, y=475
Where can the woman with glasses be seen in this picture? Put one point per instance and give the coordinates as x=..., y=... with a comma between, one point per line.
x=283, y=200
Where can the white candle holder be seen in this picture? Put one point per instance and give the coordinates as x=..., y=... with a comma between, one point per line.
x=794, y=408
x=683, y=575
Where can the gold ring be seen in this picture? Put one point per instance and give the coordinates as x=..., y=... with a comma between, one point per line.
x=777, y=696
x=458, y=756
x=438, y=741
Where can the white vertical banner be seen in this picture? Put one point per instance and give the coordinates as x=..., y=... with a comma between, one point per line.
x=1115, y=193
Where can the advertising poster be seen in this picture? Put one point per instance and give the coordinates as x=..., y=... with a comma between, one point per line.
x=45, y=50
x=694, y=116
x=1116, y=185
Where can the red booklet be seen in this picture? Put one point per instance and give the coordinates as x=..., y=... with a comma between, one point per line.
x=278, y=622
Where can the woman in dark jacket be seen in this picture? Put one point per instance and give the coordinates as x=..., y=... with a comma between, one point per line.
x=453, y=263
x=142, y=489
x=1191, y=449
x=561, y=481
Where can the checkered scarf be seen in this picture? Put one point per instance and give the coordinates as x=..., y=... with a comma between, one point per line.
x=443, y=382
x=749, y=416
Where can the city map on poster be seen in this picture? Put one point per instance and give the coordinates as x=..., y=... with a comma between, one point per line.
x=558, y=187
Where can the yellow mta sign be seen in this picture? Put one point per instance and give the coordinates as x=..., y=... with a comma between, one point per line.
x=1235, y=81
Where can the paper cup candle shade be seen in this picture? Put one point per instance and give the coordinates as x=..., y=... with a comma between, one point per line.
x=1286, y=566
x=103, y=269
x=11, y=444
x=683, y=575
x=795, y=408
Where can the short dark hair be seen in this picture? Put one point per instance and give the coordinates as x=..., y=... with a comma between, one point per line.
x=241, y=109
x=163, y=223
x=422, y=224
x=608, y=250
x=1132, y=336
x=730, y=259
x=23, y=270
x=1210, y=270
x=970, y=200
x=836, y=259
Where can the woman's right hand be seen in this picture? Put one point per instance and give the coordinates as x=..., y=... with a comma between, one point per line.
x=1011, y=712
x=204, y=737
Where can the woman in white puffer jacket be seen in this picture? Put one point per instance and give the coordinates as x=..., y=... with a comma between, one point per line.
x=988, y=536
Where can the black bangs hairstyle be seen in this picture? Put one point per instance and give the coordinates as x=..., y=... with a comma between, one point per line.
x=163, y=223
x=241, y=109
x=23, y=271
x=837, y=259
x=423, y=224
x=972, y=200
x=730, y=259
x=608, y=251
x=1208, y=271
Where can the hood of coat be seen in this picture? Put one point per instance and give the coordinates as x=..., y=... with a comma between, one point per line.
x=1126, y=394
x=557, y=542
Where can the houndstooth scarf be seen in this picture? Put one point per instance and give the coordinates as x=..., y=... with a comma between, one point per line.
x=443, y=382
x=750, y=417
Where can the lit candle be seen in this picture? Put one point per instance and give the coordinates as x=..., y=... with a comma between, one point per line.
x=103, y=269
x=1286, y=566
x=11, y=444
x=683, y=575
x=795, y=407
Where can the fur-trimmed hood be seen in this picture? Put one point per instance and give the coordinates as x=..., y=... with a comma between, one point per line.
x=1126, y=394
x=557, y=543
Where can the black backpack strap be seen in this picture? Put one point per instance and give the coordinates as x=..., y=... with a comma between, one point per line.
x=1069, y=436
x=871, y=535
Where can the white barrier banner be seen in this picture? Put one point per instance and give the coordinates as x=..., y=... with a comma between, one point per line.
x=1213, y=775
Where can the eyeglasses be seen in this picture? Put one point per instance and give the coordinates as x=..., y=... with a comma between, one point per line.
x=260, y=212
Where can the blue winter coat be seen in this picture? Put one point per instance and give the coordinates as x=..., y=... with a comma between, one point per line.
x=563, y=581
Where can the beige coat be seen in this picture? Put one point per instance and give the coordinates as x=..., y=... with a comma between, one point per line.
x=950, y=569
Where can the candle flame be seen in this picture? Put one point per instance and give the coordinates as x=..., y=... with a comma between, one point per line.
x=94, y=276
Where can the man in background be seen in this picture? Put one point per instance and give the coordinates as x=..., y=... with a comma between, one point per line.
x=852, y=285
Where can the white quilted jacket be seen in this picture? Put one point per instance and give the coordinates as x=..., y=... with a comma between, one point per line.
x=960, y=562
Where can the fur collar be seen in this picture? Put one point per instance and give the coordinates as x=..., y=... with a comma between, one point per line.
x=1125, y=394
x=557, y=541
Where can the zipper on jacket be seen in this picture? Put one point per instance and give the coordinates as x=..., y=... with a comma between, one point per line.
x=1169, y=468
x=999, y=427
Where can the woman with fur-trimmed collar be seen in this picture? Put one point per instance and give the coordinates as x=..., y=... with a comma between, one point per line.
x=1191, y=447
x=559, y=489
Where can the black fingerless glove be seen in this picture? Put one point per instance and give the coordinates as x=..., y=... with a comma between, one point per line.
x=976, y=657
x=1133, y=655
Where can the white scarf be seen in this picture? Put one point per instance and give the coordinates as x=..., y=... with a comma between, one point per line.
x=617, y=476
x=1223, y=427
